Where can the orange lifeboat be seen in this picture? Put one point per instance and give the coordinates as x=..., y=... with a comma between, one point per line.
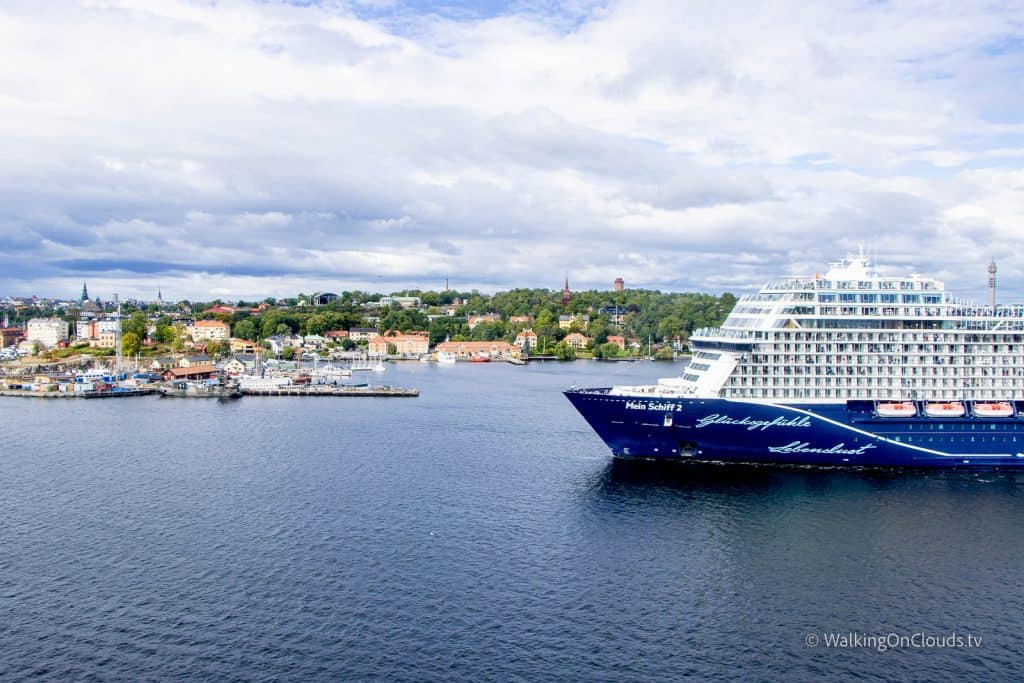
x=945, y=409
x=994, y=409
x=898, y=409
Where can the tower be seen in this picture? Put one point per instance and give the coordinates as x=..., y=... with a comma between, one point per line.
x=619, y=284
x=85, y=293
x=565, y=292
x=992, y=284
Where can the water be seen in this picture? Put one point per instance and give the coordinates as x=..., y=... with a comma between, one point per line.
x=480, y=531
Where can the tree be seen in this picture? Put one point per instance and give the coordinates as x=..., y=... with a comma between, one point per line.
x=245, y=329
x=137, y=324
x=609, y=350
x=564, y=352
x=288, y=353
x=130, y=344
x=215, y=349
x=664, y=353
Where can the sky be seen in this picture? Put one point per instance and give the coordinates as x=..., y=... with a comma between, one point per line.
x=249, y=148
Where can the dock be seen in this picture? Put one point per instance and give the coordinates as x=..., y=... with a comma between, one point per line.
x=381, y=391
x=123, y=393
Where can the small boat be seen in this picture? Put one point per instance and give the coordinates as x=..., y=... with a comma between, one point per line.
x=993, y=409
x=446, y=358
x=945, y=409
x=479, y=359
x=900, y=409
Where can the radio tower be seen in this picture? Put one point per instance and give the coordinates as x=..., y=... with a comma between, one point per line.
x=992, y=285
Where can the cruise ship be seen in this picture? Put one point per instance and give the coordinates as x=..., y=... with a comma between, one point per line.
x=848, y=368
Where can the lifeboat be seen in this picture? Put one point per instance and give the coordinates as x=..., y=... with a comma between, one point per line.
x=901, y=409
x=945, y=409
x=994, y=409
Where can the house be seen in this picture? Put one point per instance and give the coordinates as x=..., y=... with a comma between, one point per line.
x=576, y=340
x=280, y=342
x=526, y=320
x=324, y=298
x=406, y=344
x=209, y=330
x=336, y=335
x=195, y=361
x=567, y=321
x=400, y=301
x=363, y=333
x=616, y=314
x=193, y=372
x=9, y=336
x=242, y=345
x=220, y=309
x=475, y=320
x=526, y=340
x=466, y=349
x=47, y=331
x=618, y=340
x=240, y=364
x=313, y=341
x=105, y=340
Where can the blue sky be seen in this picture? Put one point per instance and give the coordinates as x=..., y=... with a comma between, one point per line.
x=246, y=148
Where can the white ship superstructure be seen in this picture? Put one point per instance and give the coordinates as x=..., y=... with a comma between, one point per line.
x=854, y=334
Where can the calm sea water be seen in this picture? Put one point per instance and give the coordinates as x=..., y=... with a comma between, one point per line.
x=480, y=531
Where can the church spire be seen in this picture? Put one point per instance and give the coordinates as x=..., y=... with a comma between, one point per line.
x=565, y=292
x=85, y=293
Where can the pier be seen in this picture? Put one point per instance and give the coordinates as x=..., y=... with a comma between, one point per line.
x=321, y=390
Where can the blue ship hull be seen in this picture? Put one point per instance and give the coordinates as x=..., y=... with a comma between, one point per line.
x=848, y=433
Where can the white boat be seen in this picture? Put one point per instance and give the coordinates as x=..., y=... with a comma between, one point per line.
x=994, y=409
x=900, y=409
x=945, y=409
x=446, y=358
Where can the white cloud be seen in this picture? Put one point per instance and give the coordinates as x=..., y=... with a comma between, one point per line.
x=698, y=145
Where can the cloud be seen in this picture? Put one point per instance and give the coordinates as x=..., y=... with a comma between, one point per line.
x=266, y=147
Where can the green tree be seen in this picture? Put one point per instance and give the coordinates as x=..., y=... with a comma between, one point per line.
x=216, y=349
x=245, y=329
x=130, y=343
x=288, y=353
x=564, y=352
x=137, y=324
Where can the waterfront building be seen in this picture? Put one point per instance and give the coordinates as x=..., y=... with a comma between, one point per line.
x=467, y=349
x=191, y=372
x=526, y=340
x=406, y=344
x=576, y=340
x=49, y=332
x=618, y=340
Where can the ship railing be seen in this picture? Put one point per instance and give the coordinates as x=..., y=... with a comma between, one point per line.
x=721, y=333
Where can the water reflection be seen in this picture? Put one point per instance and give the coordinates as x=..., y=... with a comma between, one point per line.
x=618, y=477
